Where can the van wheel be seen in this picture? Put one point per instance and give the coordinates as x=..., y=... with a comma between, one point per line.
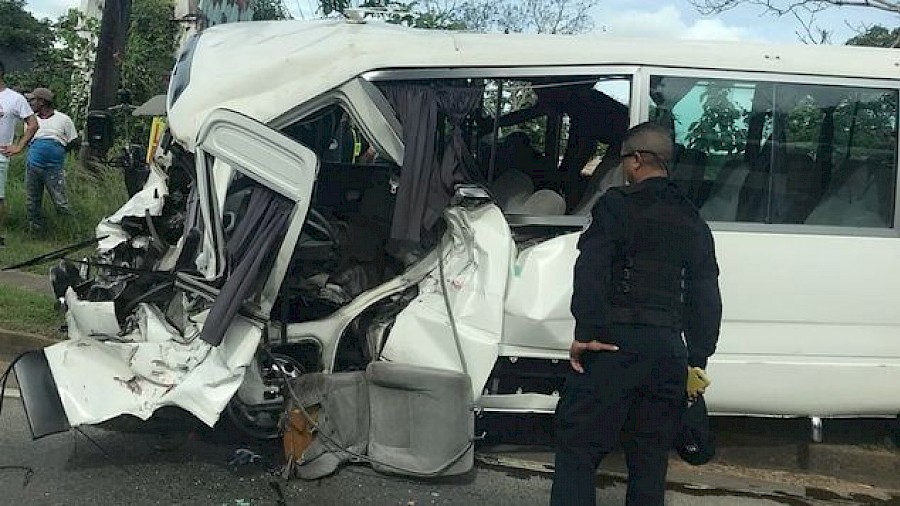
x=262, y=422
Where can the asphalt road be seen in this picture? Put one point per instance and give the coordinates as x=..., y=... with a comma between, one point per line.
x=126, y=468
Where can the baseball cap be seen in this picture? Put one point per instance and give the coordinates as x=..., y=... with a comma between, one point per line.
x=42, y=93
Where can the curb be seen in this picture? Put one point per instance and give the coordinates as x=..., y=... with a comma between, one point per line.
x=24, y=339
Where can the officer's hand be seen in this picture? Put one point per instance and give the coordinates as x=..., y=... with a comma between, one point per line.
x=697, y=381
x=579, y=347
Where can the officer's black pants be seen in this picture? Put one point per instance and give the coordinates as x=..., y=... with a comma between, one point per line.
x=637, y=391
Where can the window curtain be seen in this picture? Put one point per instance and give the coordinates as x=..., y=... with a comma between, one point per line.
x=248, y=249
x=429, y=170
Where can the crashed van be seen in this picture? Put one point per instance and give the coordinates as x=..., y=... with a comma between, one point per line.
x=393, y=214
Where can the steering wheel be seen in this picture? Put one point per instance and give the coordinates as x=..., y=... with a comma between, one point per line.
x=317, y=232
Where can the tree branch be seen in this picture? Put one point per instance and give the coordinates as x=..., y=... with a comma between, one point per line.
x=781, y=8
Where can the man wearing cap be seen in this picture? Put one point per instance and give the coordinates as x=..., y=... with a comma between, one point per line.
x=646, y=272
x=46, y=156
x=13, y=108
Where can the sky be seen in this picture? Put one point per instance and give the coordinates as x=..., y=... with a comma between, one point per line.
x=665, y=19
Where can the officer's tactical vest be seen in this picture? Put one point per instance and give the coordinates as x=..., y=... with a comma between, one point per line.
x=648, y=271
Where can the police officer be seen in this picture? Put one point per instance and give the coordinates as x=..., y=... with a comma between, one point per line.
x=646, y=273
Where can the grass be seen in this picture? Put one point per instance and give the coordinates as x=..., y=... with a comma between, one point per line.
x=27, y=311
x=93, y=194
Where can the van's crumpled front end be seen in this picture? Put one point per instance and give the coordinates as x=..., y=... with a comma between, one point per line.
x=171, y=308
x=135, y=325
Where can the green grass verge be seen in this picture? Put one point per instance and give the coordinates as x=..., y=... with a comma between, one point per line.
x=27, y=311
x=93, y=194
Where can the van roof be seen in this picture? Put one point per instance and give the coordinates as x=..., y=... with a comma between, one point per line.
x=263, y=69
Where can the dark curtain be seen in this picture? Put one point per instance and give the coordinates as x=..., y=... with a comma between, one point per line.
x=457, y=164
x=417, y=110
x=251, y=245
x=428, y=176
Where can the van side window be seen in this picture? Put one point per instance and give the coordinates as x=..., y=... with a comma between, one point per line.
x=782, y=153
x=553, y=135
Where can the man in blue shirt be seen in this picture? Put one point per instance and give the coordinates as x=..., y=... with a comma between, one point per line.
x=46, y=156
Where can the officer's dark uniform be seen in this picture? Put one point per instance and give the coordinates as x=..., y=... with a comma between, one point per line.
x=646, y=272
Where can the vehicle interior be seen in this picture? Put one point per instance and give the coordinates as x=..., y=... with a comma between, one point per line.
x=762, y=152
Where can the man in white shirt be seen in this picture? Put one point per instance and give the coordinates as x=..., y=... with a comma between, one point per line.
x=46, y=157
x=13, y=108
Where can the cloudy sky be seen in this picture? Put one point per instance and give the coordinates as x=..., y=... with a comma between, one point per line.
x=658, y=18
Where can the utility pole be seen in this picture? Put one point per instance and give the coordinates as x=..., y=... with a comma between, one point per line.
x=110, y=52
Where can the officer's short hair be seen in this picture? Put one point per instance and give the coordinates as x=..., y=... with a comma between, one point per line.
x=651, y=138
x=2, y=68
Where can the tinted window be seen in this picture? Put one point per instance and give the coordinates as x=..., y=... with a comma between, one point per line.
x=782, y=153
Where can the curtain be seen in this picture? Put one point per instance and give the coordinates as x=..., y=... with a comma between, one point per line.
x=258, y=233
x=429, y=171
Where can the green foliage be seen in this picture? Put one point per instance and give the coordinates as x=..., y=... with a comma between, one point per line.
x=720, y=127
x=19, y=30
x=149, y=57
x=269, y=10
x=149, y=52
x=27, y=311
x=331, y=6
x=93, y=194
x=65, y=57
x=804, y=122
x=876, y=36
x=538, y=16
x=867, y=121
x=62, y=63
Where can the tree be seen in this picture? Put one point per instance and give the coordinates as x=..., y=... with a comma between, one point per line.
x=148, y=59
x=782, y=7
x=719, y=127
x=876, y=36
x=804, y=10
x=535, y=16
x=114, y=26
x=558, y=16
x=21, y=35
x=149, y=52
x=62, y=63
x=269, y=10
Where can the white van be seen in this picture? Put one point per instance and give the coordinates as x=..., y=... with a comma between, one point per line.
x=340, y=194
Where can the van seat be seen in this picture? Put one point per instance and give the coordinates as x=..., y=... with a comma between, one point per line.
x=541, y=203
x=511, y=189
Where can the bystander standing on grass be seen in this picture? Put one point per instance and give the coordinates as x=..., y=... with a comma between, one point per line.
x=56, y=134
x=13, y=109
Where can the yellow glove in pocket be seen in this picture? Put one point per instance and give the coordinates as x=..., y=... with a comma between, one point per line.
x=697, y=381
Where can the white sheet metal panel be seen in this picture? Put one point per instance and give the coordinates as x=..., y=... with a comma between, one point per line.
x=88, y=319
x=155, y=365
x=277, y=162
x=810, y=325
x=272, y=159
x=149, y=199
x=539, y=295
x=286, y=63
x=477, y=262
x=154, y=368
